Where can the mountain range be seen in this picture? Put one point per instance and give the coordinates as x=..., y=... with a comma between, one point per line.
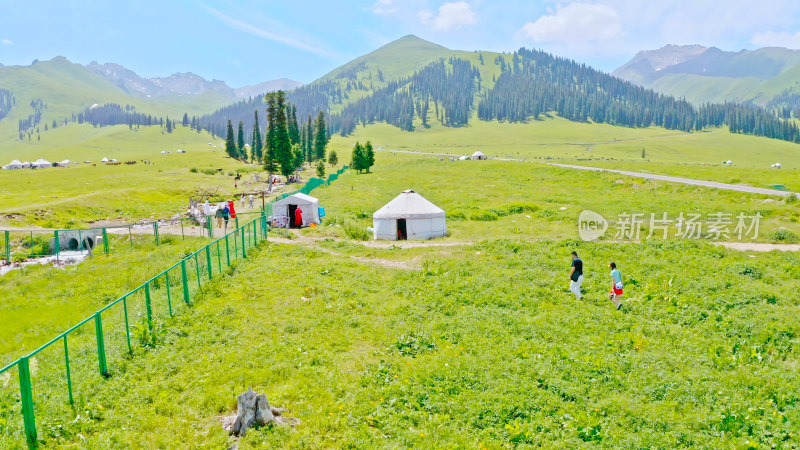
x=185, y=83
x=708, y=74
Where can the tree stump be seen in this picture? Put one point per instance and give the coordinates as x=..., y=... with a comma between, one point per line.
x=254, y=409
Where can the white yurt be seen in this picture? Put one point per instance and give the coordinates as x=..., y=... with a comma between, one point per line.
x=409, y=216
x=41, y=163
x=15, y=164
x=26, y=165
x=104, y=160
x=478, y=156
x=284, y=211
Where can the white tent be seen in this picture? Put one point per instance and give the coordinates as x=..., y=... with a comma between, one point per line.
x=283, y=211
x=478, y=155
x=65, y=163
x=409, y=216
x=41, y=163
x=26, y=165
x=104, y=160
x=15, y=164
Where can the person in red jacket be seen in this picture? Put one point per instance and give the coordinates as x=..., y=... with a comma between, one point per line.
x=232, y=211
x=298, y=217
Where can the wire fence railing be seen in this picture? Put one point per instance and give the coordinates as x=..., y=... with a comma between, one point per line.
x=69, y=365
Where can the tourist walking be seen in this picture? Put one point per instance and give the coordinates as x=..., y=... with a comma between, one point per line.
x=576, y=276
x=226, y=212
x=250, y=197
x=616, y=285
x=219, y=214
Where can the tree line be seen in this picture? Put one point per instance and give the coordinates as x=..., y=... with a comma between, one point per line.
x=537, y=83
x=7, y=102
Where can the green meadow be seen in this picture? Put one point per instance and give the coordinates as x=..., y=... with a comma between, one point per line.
x=88, y=192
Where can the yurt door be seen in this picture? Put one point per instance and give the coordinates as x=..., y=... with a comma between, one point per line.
x=402, y=233
x=292, y=210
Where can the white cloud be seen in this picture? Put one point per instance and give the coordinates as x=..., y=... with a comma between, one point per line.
x=7, y=41
x=283, y=38
x=575, y=24
x=451, y=16
x=384, y=7
x=780, y=39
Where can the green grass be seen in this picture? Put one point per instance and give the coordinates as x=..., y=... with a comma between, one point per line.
x=479, y=198
x=65, y=197
x=40, y=301
x=484, y=348
x=561, y=139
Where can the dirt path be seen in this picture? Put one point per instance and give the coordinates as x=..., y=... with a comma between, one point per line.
x=308, y=242
x=759, y=247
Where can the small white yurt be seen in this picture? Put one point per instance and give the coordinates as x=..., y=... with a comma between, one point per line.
x=104, y=160
x=41, y=163
x=26, y=165
x=478, y=156
x=64, y=163
x=409, y=216
x=284, y=212
x=15, y=164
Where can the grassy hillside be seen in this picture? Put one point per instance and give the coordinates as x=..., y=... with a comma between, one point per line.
x=756, y=76
x=89, y=192
x=68, y=88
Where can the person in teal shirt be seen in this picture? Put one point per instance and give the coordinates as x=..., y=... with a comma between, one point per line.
x=616, y=285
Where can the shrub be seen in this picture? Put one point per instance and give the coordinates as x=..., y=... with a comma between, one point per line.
x=209, y=171
x=784, y=236
x=354, y=231
x=456, y=215
x=486, y=216
x=747, y=270
x=414, y=343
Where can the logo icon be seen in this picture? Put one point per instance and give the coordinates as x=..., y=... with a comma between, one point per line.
x=591, y=225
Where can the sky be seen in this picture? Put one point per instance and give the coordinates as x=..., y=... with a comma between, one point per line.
x=247, y=42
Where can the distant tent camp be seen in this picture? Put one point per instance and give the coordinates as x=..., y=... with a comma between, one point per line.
x=283, y=211
x=64, y=163
x=41, y=163
x=104, y=160
x=15, y=164
x=478, y=156
x=409, y=216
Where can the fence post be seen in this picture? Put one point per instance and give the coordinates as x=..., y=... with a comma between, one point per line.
x=148, y=306
x=155, y=232
x=69, y=377
x=210, y=230
x=127, y=324
x=101, y=346
x=208, y=261
x=244, y=253
x=169, y=298
x=237, y=221
x=227, y=251
x=8, y=248
x=105, y=241
x=26, y=394
x=185, y=281
x=56, y=244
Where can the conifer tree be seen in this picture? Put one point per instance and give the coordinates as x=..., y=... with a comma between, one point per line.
x=298, y=156
x=185, y=121
x=169, y=125
x=280, y=136
x=294, y=131
x=320, y=136
x=369, y=156
x=230, y=145
x=358, y=158
x=270, y=157
x=309, y=139
x=320, y=169
x=257, y=144
x=333, y=159
x=240, y=141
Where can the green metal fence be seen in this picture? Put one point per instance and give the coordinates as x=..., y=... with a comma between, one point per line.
x=77, y=359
